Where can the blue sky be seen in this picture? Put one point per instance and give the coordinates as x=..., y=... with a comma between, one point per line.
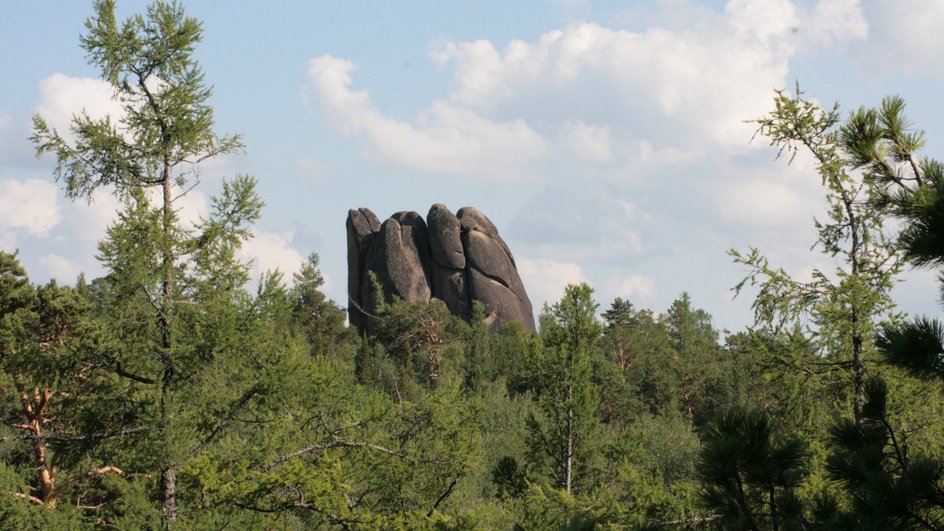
x=606, y=140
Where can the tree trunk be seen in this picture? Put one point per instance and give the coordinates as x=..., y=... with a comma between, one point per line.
x=858, y=378
x=169, y=474
x=569, y=461
x=858, y=363
x=169, y=487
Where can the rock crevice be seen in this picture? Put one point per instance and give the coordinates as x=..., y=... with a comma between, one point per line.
x=457, y=258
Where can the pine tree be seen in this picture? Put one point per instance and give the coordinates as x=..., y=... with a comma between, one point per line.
x=751, y=473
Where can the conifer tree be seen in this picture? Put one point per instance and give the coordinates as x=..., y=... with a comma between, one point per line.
x=845, y=306
x=751, y=473
x=567, y=396
x=157, y=268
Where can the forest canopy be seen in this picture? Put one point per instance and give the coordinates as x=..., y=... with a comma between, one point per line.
x=172, y=392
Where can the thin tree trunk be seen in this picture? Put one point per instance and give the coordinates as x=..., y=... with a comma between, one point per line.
x=858, y=378
x=169, y=474
x=858, y=363
x=569, y=462
x=47, y=474
x=774, y=524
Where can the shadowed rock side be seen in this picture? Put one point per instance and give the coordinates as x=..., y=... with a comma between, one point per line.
x=362, y=226
x=492, y=273
x=458, y=259
x=448, y=280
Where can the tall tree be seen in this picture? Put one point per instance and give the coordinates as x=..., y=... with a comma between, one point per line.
x=884, y=146
x=844, y=308
x=697, y=356
x=567, y=396
x=163, y=134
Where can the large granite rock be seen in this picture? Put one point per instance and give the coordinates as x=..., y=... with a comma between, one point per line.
x=493, y=275
x=457, y=258
x=362, y=225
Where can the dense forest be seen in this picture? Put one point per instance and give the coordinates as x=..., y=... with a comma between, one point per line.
x=174, y=393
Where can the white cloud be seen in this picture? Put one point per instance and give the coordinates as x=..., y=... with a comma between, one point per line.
x=270, y=251
x=546, y=279
x=833, y=21
x=590, y=143
x=61, y=97
x=904, y=35
x=60, y=268
x=8, y=241
x=445, y=138
x=765, y=202
x=29, y=205
x=705, y=79
x=766, y=19
x=640, y=288
x=603, y=101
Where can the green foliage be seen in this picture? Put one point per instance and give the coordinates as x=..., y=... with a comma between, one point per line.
x=886, y=486
x=561, y=438
x=844, y=310
x=319, y=319
x=917, y=346
x=750, y=473
x=170, y=394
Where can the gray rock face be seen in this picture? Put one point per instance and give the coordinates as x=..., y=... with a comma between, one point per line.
x=362, y=225
x=449, y=280
x=493, y=275
x=458, y=259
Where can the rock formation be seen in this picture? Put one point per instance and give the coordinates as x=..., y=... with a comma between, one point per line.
x=456, y=258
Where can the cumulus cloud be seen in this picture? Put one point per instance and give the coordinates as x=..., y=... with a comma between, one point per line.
x=590, y=97
x=766, y=202
x=29, y=205
x=591, y=143
x=546, y=279
x=695, y=82
x=835, y=21
x=904, y=35
x=61, y=97
x=270, y=251
x=445, y=138
x=634, y=288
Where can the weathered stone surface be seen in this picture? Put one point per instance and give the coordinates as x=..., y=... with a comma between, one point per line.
x=447, y=267
x=361, y=225
x=502, y=305
x=451, y=286
x=445, y=244
x=454, y=258
x=397, y=260
x=493, y=276
x=470, y=219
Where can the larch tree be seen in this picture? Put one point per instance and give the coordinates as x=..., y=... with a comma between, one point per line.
x=163, y=134
x=844, y=306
